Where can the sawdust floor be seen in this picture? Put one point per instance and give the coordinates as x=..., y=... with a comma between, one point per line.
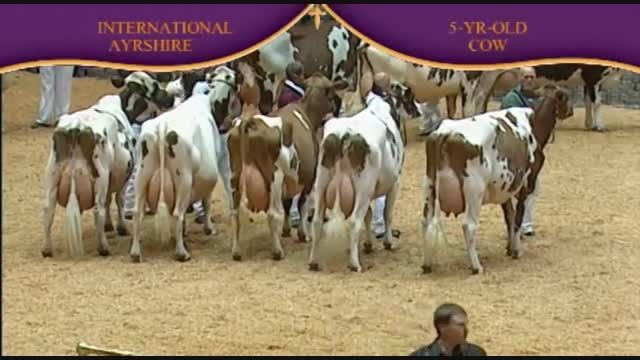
x=575, y=291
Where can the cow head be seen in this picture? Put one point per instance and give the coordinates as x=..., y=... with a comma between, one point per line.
x=321, y=94
x=564, y=105
x=226, y=104
x=142, y=97
x=409, y=107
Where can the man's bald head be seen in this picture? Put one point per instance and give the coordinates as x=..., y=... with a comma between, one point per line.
x=527, y=78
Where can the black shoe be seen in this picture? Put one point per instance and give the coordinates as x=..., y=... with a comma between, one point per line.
x=36, y=125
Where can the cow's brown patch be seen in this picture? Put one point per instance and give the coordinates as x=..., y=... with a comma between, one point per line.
x=172, y=140
x=511, y=118
x=512, y=150
x=331, y=150
x=356, y=149
x=64, y=142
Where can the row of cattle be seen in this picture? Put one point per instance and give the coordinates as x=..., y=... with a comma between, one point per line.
x=306, y=149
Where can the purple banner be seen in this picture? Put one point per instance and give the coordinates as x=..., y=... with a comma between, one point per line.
x=488, y=34
x=167, y=34
x=193, y=34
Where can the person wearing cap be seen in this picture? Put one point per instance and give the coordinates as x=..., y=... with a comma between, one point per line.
x=523, y=95
x=451, y=324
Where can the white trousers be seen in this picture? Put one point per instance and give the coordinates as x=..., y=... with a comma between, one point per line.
x=130, y=193
x=55, y=92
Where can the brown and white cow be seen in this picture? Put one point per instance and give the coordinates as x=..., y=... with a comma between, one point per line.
x=484, y=159
x=273, y=158
x=91, y=160
x=330, y=50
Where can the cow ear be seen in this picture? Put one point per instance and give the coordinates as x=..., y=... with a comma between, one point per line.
x=117, y=81
x=340, y=84
x=162, y=98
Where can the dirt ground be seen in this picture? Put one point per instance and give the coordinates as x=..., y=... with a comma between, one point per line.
x=576, y=291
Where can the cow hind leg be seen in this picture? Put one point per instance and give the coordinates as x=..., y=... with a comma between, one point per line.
x=208, y=227
x=275, y=215
x=473, y=201
x=302, y=209
x=389, y=204
x=142, y=179
x=121, y=226
x=49, y=210
x=286, y=227
x=182, y=203
x=100, y=210
x=108, y=224
x=368, y=245
x=509, y=217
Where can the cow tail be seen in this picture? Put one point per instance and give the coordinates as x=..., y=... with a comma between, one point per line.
x=485, y=102
x=73, y=221
x=335, y=241
x=435, y=241
x=163, y=217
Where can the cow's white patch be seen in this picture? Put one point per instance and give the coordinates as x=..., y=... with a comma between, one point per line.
x=274, y=58
x=338, y=43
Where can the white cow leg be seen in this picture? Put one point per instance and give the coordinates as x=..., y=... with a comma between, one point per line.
x=275, y=215
x=208, y=224
x=121, y=226
x=357, y=218
x=108, y=224
x=368, y=245
x=473, y=204
x=142, y=178
x=49, y=208
x=390, y=202
x=99, y=211
x=322, y=180
x=182, y=254
x=183, y=199
x=235, y=235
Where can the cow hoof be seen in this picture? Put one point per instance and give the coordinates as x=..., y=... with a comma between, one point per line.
x=302, y=238
x=108, y=227
x=314, y=267
x=478, y=271
x=122, y=231
x=183, y=257
x=103, y=252
x=368, y=248
x=355, y=268
x=47, y=253
x=277, y=256
x=208, y=231
x=286, y=233
x=135, y=259
x=237, y=257
x=387, y=246
x=426, y=269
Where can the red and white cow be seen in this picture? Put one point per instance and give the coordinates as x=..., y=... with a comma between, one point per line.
x=180, y=154
x=273, y=158
x=361, y=158
x=330, y=50
x=91, y=159
x=484, y=159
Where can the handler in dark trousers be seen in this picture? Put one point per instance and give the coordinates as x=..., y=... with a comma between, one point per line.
x=450, y=321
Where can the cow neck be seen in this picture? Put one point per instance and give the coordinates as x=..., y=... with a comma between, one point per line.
x=313, y=105
x=544, y=120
